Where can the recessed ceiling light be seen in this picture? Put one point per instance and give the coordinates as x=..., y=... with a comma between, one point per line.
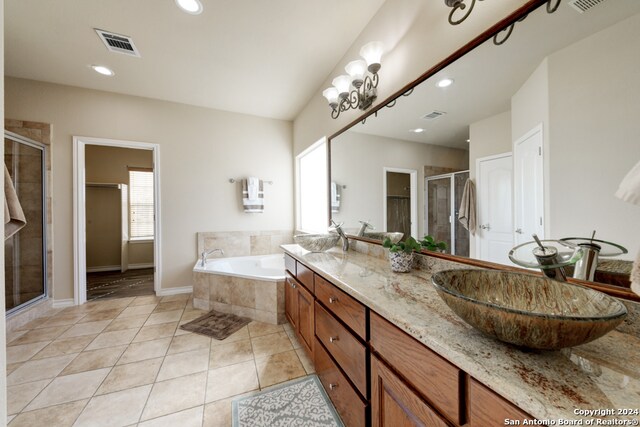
x=103, y=70
x=193, y=7
x=418, y=130
x=445, y=82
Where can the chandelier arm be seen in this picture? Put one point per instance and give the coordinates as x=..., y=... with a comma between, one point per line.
x=461, y=6
x=552, y=7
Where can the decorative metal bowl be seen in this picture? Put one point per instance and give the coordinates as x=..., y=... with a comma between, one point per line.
x=529, y=311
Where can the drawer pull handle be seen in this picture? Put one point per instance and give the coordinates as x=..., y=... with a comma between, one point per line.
x=293, y=285
x=333, y=339
x=332, y=300
x=332, y=386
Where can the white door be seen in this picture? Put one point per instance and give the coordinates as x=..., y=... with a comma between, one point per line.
x=494, y=235
x=528, y=176
x=124, y=227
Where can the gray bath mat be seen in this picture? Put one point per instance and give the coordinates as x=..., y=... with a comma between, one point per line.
x=216, y=325
x=300, y=402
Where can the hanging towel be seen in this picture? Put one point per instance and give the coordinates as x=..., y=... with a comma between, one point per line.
x=335, y=197
x=253, y=195
x=467, y=210
x=14, y=218
x=629, y=191
x=635, y=275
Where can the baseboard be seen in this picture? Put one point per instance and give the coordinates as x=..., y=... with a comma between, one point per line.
x=118, y=267
x=141, y=266
x=174, y=291
x=63, y=303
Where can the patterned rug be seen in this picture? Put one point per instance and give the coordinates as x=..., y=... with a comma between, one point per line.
x=300, y=402
x=216, y=325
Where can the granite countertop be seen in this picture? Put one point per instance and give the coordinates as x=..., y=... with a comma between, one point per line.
x=549, y=385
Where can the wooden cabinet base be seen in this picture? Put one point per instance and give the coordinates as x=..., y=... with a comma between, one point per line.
x=487, y=408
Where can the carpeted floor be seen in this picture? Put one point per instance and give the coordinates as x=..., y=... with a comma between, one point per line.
x=113, y=284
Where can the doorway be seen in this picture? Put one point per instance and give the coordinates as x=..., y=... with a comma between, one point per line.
x=400, y=201
x=116, y=219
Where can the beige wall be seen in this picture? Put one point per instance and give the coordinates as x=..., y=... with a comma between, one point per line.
x=200, y=149
x=111, y=165
x=594, y=135
x=362, y=199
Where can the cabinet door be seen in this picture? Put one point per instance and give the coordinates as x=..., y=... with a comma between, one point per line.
x=291, y=301
x=487, y=408
x=394, y=404
x=306, y=319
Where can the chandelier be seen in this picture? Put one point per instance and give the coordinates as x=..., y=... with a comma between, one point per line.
x=357, y=88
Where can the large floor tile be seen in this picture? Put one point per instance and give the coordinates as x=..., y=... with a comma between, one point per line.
x=278, y=368
x=170, y=306
x=258, y=329
x=112, y=339
x=89, y=328
x=295, y=342
x=178, y=297
x=58, y=416
x=218, y=414
x=35, y=370
x=69, y=388
x=13, y=366
x=111, y=313
x=175, y=395
x=189, y=342
x=62, y=320
x=19, y=396
x=127, y=323
x=131, y=375
x=164, y=317
x=306, y=361
x=117, y=409
x=188, y=418
x=231, y=380
x=94, y=359
x=24, y=352
x=145, y=350
x=230, y=354
x=154, y=332
x=38, y=335
x=145, y=300
x=137, y=311
x=193, y=314
x=267, y=345
x=63, y=346
x=181, y=364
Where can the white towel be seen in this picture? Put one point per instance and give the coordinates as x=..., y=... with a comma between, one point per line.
x=635, y=275
x=467, y=210
x=629, y=191
x=253, y=195
x=335, y=197
x=14, y=218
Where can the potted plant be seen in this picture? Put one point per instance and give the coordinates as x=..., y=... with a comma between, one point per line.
x=430, y=244
x=401, y=254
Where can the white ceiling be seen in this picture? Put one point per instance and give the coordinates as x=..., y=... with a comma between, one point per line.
x=265, y=58
x=486, y=78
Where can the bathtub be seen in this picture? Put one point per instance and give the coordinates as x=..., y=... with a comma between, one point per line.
x=261, y=267
x=247, y=286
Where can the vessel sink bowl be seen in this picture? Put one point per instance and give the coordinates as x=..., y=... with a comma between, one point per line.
x=526, y=310
x=316, y=242
x=381, y=235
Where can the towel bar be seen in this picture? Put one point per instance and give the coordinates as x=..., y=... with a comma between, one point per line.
x=231, y=180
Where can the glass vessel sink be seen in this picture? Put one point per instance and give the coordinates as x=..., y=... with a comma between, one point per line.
x=526, y=310
x=317, y=242
x=381, y=235
x=566, y=253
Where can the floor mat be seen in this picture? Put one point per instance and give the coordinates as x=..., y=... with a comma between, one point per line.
x=216, y=325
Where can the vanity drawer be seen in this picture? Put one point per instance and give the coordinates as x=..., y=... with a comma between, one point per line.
x=438, y=381
x=304, y=275
x=487, y=408
x=344, y=347
x=352, y=409
x=290, y=264
x=345, y=307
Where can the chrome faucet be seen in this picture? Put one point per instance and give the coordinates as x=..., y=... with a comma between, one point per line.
x=205, y=255
x=363, y=228
x=345, y=240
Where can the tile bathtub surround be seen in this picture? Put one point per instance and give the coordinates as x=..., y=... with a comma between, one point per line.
x=111, y=369
x=545, y=384
x=244, y=243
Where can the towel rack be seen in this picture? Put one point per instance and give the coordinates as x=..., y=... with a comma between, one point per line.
x=232, y=180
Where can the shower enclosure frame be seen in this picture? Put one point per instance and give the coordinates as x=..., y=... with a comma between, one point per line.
x=453, y=217
x=16, y=138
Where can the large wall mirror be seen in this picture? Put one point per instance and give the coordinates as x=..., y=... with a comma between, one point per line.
x=545, y=126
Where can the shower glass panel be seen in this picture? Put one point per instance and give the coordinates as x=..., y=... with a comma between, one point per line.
x=25, y=251
x=444, y=195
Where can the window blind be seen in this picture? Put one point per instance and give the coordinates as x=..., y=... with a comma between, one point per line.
x=141, y=204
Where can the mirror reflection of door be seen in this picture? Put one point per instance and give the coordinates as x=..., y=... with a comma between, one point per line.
x=494, y=236
x=528, y=175
x=399, y=202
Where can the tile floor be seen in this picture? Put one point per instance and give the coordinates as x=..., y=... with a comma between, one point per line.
x=125, y=362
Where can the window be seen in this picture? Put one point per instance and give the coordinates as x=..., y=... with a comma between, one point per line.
x=312, y=188
x=141, y=204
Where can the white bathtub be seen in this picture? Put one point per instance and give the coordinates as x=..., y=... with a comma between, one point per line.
x=260, y=267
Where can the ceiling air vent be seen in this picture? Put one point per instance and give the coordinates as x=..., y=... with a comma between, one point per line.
x=433, y=115
x=584, y=5
x=118, y=43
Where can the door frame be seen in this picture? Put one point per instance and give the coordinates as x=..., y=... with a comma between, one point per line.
x=413, y=183
x=79, y=210
x=478, y=183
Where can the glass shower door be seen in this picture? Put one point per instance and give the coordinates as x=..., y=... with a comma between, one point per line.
x=25, y=251
x=439, y=209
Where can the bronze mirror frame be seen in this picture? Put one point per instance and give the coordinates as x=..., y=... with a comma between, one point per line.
x=502, y=25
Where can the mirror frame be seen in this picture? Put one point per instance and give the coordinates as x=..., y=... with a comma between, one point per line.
x=488, y=34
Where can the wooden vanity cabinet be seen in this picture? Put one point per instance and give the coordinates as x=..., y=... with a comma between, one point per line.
x=306, y=319
x=486, y=408
x=299, y=300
